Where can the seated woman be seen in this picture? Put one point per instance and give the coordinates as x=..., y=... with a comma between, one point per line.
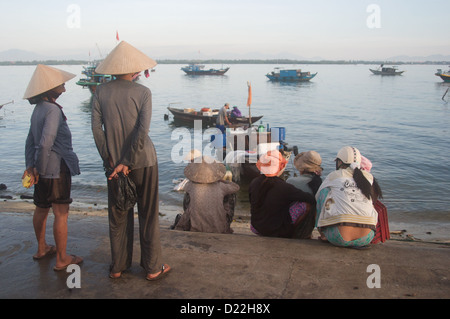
x=208, y=203
x=274, y=208
x=235, y=112
x=346, y=216
x=382, y=232
x=308, y=165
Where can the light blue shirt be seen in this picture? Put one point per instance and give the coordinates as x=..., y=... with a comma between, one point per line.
x=49, y=140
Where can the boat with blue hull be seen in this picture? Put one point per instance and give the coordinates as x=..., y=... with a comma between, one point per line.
x=92, y=79
x=199, y=69
x=443, y=75
x=295, y=75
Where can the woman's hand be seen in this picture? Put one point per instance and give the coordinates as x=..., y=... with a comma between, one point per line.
x=119, y=169
x=33, y=173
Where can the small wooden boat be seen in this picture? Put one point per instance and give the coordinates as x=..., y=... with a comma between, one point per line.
x=207, y=116
x=290, y=75
x=199, y=69
x=382, y=70
x=443, y=75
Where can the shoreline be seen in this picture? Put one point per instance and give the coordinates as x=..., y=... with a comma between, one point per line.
x=399, y=230
x=237, y=61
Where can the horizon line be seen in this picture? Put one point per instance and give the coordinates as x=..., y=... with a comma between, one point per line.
x=231, y=61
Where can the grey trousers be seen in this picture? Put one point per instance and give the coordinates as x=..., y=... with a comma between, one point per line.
x=121, y=223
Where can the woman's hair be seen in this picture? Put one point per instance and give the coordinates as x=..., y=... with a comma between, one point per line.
x=376, y=190
x=36, y=99
x=362, y=183
x=315, y=183
x=51, y=95
x=370, y=191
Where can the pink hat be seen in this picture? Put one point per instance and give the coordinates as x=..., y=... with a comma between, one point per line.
x=366, y=164
x=271, y=163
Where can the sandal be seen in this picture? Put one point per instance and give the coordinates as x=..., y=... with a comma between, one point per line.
x=165, y=269
x=75, y=260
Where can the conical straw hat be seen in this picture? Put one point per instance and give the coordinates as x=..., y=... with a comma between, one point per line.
x=125, y=59
x=208, y=171
x=46, y=78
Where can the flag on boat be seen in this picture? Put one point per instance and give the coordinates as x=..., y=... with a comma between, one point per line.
x=117, y=35
x=249, y=100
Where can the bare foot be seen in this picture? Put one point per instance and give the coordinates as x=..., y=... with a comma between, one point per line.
x=49, y=251
x=165, y=269
x=69, y=260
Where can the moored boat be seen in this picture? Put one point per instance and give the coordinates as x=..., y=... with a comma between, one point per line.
x=382, y=70
x=443, y=75
x=199, y=69
x=207, y=116
x=295, y=75
x=92, y=79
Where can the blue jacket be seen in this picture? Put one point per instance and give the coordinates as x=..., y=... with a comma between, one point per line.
x=49, y=140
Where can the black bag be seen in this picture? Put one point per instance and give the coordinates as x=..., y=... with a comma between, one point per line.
x=126, y=193
x=124, y=190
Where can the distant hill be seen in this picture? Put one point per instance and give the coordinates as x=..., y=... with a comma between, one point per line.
x=430, y=58
x=21, y=55
x=14, y=55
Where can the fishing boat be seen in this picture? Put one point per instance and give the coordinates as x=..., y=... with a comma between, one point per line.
x=295, y=75
x=382, y=70
x=92, y=79
x=443, y=75
x=199, y=69
x=208, y=116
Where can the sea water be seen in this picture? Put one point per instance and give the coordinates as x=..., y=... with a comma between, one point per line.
x=401, y=123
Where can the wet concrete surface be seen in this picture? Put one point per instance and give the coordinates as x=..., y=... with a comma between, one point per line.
x=221, y=266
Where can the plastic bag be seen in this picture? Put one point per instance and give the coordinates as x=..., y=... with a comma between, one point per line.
x=126, y=193
x=124, y=190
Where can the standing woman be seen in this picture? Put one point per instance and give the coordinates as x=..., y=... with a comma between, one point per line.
x=50, y=162
x=121, y=116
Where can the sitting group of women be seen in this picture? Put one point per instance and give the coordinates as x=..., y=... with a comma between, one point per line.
x=344, y=206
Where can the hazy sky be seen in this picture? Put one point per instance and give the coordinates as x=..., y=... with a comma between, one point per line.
x=330, y=29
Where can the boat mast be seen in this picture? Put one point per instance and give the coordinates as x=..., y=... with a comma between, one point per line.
x=249, y=102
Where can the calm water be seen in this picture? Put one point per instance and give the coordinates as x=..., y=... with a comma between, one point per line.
x=400, y=123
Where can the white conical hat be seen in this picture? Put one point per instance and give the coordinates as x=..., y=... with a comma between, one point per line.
x=46, y=78
x=125, y=59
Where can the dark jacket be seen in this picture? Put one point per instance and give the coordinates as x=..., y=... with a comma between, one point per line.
x=121, y=115
x=272, y=217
